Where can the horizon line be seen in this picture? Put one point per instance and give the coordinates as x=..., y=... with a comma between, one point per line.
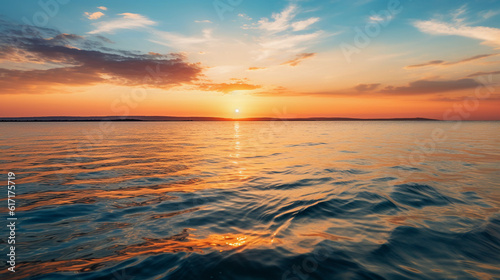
x=196, y=118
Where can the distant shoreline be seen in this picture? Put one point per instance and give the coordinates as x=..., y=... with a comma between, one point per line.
x=170, y=119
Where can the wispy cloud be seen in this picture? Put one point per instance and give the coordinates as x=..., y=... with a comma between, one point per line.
x=298, y=59
x=126, y=21
x=429, y=86
x=280, y=21
x=430, y=63
x=181, y=42
x=488, y=14
x=253, y=68
x=280, y=35
x=244, y=16
x=444, y=63
x=458, y=26
x=303, y=24
x=492, y=97
x=379, y=18
x=288, y=42
x=227, y=87
x=95, y=15
x=102, y=8
x=476, y=74
x=366, y=87
x=203, y=21
x=283, y=21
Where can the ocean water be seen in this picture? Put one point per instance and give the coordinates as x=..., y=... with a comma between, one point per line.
x=253, y=200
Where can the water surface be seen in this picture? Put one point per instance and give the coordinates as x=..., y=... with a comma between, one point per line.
x=255, y=200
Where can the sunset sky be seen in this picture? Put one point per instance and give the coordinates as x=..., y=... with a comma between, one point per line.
x=361, y=58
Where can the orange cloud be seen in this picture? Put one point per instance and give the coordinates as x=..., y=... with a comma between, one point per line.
x=227, y=87
x=298, y=59
x=427, y=86
x=483, y=73
x=256, y=68
x=95, y=15
x=444, y=63
x=366, y=87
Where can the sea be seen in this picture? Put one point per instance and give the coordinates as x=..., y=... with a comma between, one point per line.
x=285, y=200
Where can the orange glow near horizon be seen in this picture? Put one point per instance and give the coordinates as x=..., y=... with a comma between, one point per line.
x=117, y=101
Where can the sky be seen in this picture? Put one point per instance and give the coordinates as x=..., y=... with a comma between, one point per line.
x=242, y=58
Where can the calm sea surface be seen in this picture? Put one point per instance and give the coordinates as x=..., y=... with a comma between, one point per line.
x=253, y=200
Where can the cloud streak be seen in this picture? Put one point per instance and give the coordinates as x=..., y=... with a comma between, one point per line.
x=476, y=74
x=298, y=59
x=444, y=63
x=488, y=35
x=428, y=87
x=366, y=87
x=179, y=41
x=227, y=87
x=304, y=24
x=126, y=21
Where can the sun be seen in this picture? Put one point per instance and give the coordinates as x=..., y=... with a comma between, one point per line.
x=236, y=110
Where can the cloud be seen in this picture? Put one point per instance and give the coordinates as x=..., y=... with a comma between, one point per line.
x=179, y=41
x=244, y=16
x=376, y=18
x=379, y=18
x=227, y=87
x=427, y=87
x=288, y=42
x=488, y=14
x=84, y=67
x=127, y=21
x=444, y=63
x=95, y=15
x=277, y=91
x=420, y=87
x=104, y=39
x=457, y=15
x=102, y=8
x=256, y=68
x=476, y=74
x=492, y=97
x=283, y=21
x=280, y=21
x=432, y=62
x=476, y=57
x=366, y=87
x=298, y=58
x=489, y=35
x=203, y=21
x=301, y=25
x=65, y=38
x=278, y=36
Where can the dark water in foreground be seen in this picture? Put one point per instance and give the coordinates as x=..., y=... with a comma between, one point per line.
x=254, y=200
